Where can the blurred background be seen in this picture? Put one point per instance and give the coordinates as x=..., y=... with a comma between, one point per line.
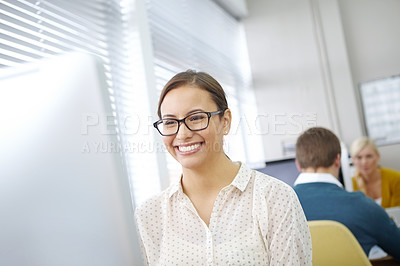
x=286, y=65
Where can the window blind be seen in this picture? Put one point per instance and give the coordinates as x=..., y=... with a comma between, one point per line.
x=34, y=29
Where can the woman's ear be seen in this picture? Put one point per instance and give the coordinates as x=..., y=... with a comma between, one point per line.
x=227, y=119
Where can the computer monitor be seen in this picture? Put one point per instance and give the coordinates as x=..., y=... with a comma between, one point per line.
x=62, y=202
x=286, y=169
x=283, y=169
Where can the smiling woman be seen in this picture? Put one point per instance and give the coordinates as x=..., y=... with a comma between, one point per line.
x=219, y=211
x=195, y=102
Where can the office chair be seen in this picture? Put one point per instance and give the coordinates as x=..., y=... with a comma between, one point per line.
x=334, y=244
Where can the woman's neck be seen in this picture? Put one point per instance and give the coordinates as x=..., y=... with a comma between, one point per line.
x=375, y=176
x=211, y=177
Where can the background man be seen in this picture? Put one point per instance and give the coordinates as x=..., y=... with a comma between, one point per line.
x=323, y=198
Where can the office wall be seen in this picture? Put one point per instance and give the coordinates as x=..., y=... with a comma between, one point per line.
x=372, y=36
x=307, y=57
x=285, y=70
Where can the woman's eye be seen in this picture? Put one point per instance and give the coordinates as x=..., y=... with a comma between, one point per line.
x=169, y=122
x=196, y=118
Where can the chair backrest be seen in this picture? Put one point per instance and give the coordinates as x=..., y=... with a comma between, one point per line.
x=334, y=244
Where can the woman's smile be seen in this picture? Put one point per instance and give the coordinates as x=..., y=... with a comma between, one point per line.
x=188, y=148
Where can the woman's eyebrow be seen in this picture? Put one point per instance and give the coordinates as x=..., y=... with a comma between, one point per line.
x=195, y=111
x=188, y=113
x=168, y=116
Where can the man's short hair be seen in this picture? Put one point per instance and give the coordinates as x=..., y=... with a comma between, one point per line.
x=317, y=147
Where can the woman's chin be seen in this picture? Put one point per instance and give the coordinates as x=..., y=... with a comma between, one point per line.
x=189, y=162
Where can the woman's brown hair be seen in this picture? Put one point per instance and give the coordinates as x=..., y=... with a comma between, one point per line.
x=196, y=79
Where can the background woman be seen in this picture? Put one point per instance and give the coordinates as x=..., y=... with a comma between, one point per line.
x=219, y=212
x=380, y=184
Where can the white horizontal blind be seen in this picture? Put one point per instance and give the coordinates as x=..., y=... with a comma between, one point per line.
x=34, y=29
x=200, y=35
x=197, y=34
x=31, y=30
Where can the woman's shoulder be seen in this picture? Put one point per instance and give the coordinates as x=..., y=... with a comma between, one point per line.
x=390, y=174
x=269, y=185
x=268, y=180
x=261, y=184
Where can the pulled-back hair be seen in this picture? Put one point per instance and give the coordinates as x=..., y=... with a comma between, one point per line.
x=356, y=147
x=200, y=80
x=317, y=147
x=360, y=144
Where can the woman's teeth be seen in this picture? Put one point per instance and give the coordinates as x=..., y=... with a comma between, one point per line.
x=188, y=148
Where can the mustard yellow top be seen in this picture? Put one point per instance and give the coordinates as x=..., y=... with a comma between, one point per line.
x=390, y=187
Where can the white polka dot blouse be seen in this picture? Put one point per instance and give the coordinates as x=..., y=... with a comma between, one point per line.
x=256, y=220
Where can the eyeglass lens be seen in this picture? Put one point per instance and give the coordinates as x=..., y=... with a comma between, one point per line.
x=197, y=121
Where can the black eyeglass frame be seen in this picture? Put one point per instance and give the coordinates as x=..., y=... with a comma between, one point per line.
x=209, y=114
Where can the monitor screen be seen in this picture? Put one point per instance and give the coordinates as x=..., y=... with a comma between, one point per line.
x=284, y=169
x=62, y=202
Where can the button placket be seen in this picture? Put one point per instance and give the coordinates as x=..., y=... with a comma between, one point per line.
x=209, y=248
x=216, y=212
x=188, y=204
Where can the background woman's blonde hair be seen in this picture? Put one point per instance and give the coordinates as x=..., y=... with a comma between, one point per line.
x=356, y=147
x=360, y=143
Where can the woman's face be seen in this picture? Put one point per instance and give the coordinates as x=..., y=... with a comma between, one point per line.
x=193, y=149
x=366, y=160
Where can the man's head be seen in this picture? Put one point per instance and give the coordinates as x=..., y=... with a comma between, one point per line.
x=317, y=148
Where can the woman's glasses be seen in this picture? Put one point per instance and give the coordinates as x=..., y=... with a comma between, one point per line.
x=194, y=122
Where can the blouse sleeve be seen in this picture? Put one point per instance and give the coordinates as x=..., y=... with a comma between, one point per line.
x=139, y=228
x=285, y=229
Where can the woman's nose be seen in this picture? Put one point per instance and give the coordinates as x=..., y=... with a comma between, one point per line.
x=183, y=131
